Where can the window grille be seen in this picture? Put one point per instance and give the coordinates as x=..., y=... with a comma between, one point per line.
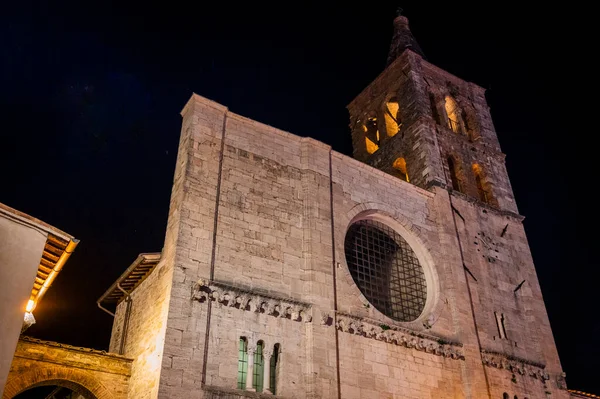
x=242, y=363
x=386, y=270
x=259, y=362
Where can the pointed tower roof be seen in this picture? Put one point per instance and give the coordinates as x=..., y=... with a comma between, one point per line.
x=403, y=39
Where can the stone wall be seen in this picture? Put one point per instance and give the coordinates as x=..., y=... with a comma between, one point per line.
x=144, y=338
x=268, y=264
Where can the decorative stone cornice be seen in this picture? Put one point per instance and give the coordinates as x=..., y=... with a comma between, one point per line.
x=246, y=300
x=515, y=365
x=399, y=336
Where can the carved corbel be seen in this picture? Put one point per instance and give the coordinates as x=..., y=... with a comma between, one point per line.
x=226, y=298
x=305, y=316
x=296, y=313
x=253, y=304
x=242, y=302
x=286, y=311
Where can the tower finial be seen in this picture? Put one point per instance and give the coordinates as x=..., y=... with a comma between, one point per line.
x=403, y=38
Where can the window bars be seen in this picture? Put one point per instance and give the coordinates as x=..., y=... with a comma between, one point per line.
x=386, y=270
x=242, y=363
x=259, y=362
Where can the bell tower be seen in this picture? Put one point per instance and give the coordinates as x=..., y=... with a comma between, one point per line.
x=428, y=127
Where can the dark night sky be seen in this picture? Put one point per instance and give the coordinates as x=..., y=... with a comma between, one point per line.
x=90, y=99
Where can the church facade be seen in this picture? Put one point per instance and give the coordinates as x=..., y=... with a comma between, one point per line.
x=290, y=270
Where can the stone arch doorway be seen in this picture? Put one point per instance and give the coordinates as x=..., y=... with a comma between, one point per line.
x=79, y=390
x=91, y=373
x=74, y=380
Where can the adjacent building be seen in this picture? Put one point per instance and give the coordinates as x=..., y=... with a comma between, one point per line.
x=32, y=253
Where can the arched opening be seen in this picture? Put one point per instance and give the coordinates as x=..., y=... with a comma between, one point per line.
x=454, y=175
x=391, y=116
x=434, y=111
x=399, y=166
x=469, y=126
x=259, y=367
x=386, y=270
x=75, y=379
x=505, y=396
x=242, y=362
x=274, y=363
x=482, y=188
x=55, y=389
x=454, y=114
x=371, y=135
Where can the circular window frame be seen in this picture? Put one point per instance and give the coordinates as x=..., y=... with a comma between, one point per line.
x=422, y=254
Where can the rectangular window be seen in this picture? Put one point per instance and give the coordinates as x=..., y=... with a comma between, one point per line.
x=503, y=326
x=500, y=325
x=242, y=363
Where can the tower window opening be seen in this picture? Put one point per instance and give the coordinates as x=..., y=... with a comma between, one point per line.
x=399, y=166
x=454, y=115
x=259, y=364
x=371, y=135
x=273, y=365
x=456, y=181
x=484, y=194
x=469, y=126
x=434, y=111
x=391, y=116
x=505, y=396
x=242, y=363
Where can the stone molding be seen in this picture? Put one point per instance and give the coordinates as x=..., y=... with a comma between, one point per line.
x=246, y=300
x=26, y=338
x=515, y=365
x=214, y=392
x=581, y=394
x=399, y=336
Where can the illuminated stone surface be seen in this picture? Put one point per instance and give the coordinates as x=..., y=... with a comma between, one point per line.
x=260, y=213
x=93, y=374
